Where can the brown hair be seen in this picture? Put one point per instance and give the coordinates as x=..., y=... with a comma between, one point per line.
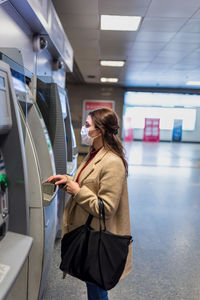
x=106, y=121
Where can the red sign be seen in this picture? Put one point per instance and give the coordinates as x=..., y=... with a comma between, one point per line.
x=89, y=105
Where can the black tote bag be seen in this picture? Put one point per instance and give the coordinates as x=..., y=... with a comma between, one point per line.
x=97, y=257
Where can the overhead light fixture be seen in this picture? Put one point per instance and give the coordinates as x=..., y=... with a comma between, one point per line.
x=122, y=23
x=104, y=79
x=193, y=83
x=112, y=63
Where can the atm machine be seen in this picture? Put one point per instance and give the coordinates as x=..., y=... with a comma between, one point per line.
x=34, y=211
x=54, y=106
x=43, y=196
x=72, y=150
x=15, y=245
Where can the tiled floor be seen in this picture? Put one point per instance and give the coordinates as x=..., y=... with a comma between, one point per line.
x=164, y=195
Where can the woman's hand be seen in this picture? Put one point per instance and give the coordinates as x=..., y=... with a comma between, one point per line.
x=72, y=187
x=57, y=179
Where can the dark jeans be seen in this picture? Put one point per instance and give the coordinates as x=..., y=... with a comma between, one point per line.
x=96, y=293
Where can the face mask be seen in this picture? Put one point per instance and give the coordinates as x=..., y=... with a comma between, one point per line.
x=86, y=139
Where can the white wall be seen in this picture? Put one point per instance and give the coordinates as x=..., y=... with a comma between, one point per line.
x=166, y=135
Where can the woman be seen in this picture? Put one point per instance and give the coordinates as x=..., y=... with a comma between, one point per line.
x=103, y=173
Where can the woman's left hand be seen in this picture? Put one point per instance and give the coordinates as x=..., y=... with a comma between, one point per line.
x=72, y=187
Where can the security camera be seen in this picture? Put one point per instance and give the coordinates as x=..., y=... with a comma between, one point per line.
x=57, y=64
x=39, y=43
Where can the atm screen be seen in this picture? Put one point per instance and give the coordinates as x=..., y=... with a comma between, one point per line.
x=63, y=103
x=2, y=82
x=19, y=85
x=4, y=107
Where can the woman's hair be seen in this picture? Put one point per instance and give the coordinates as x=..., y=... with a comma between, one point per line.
x=106, y=121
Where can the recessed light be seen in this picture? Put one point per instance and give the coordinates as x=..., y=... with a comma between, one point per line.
x=193, y=83
x=104, y=79
x=122, y=23
x=112, y=63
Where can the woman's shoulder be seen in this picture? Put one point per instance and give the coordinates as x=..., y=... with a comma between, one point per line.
x=112, y=157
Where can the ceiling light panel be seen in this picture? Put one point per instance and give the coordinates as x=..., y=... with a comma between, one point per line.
x=112, y=63
x=111, y=80
x=120, y=23
x=193, y=83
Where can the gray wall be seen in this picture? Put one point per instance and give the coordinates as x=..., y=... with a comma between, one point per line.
x=80, y=92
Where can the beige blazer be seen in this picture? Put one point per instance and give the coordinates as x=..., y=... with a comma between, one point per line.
x=105, y=177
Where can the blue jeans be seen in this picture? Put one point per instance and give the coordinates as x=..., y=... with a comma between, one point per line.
x=96, y=293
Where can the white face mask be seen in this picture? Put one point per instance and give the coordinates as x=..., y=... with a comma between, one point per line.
x=86, y=139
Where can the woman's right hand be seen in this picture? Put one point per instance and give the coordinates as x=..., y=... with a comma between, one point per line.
x=57, y=179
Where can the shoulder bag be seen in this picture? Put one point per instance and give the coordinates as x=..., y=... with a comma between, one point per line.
x=97, y=257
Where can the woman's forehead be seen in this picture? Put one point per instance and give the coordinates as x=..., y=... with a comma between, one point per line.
x=89, y=119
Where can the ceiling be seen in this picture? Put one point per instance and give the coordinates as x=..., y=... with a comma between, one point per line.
x=164, y=52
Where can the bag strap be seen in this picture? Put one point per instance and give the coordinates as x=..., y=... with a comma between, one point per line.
x=89, y=220
x=101, y=214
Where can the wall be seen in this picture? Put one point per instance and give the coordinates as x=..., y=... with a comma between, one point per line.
x=166, y=135
x=79, y=92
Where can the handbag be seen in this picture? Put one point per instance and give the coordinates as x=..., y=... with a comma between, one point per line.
x=97, y=257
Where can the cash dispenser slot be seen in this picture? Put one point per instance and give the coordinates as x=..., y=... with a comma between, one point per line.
x=49, y=191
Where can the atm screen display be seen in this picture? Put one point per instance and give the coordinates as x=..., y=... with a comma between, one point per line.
x=2, y=82
x=63, y=103
x=19, y=85
x=4, y=107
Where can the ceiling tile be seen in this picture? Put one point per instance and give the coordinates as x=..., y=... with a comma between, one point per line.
x=109, y=35
x=140, y=59
x=159, y=67
x=87, y=53
x=109, y=51
x=144, y=52
x=184, y=37
x=169, y=53
x=110, y=72
x=168, y=60
x=148, y=45
x=80, y=21
x=197, y=14
x=154, y=36
x=182, y=47
x=192, y=26
x=162, y=24
x=115, y=44
x=78, y=44
x=82, y=34
x=182, y=66
x=125, y=7
x=172, y=8
x=132, y=66
x=76, y=6
x=89, y=67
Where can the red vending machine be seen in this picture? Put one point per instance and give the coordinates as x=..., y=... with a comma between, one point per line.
x=151, y=130
x=128, y=129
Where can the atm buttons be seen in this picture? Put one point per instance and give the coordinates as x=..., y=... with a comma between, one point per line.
x=3, y=182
